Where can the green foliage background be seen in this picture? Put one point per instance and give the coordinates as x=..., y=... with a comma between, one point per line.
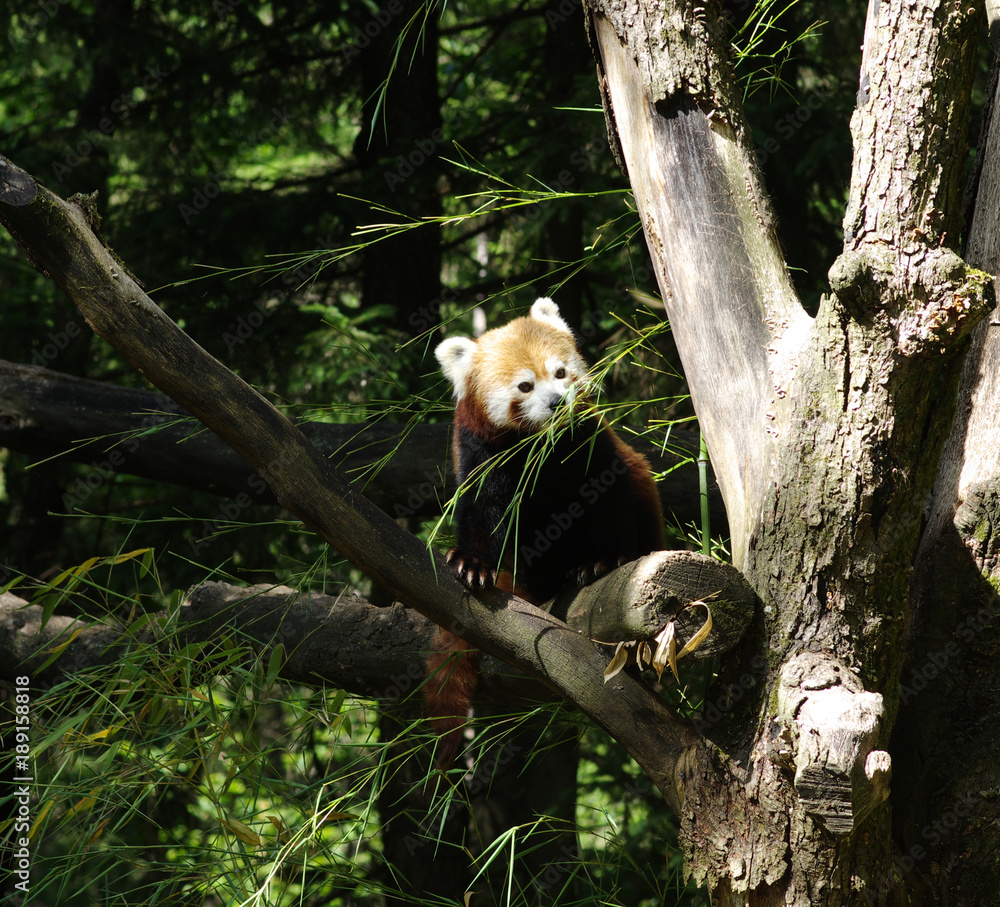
x=246, y=158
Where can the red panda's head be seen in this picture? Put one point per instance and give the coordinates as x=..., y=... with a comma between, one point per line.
x=517, y=374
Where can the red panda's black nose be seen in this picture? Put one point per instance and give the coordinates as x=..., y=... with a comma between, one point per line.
x=554, y=401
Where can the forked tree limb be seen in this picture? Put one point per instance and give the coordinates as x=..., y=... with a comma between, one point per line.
x=60, y=241
x=825, y=433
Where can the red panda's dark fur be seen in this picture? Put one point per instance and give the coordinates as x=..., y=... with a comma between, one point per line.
x=559, y=541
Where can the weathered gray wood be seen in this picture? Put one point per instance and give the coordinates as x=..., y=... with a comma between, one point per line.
x=732, y=310
x=830, y=726
x=635, y=602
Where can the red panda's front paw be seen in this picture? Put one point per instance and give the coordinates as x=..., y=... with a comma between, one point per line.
x=473, y=572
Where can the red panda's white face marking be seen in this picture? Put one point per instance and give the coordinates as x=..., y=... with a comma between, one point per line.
x=529, y=398
x=519, y=373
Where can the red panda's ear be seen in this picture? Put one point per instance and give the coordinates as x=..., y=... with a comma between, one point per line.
x=544, y=309
x=455, y=356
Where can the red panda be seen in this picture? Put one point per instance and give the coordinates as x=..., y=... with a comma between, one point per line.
x=538, y=508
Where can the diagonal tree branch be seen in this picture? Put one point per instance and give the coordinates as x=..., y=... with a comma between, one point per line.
x=59, y=239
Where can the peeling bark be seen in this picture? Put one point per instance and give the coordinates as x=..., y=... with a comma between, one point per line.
x=829, y=453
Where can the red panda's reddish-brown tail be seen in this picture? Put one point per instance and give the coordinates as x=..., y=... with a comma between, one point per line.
x=452, y=673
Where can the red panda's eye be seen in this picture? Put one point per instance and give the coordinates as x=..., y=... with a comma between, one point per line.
x=560, y=374
x=525, y=387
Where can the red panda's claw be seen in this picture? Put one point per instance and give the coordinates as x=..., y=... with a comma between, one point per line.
x=586, y=574
x=472, y=572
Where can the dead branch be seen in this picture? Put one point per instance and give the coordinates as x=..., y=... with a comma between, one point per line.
x=376, y=652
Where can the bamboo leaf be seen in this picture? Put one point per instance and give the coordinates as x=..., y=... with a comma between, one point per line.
x=243, y=832
x=101, y=736
x=617, y=662
x=274, y=664
x=666, y=650
x=700, y=636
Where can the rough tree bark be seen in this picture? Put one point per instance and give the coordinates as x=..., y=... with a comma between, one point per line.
x=367, y=649
x=829, y=454
x=947, y=736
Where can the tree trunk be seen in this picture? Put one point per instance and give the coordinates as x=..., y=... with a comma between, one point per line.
x=828, y=454
x=946, y=816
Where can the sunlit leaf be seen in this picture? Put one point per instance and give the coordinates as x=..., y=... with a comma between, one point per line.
x=617, y=662
x=243, y=832
x=645, y=654
x=700, y=636
x=144, y=553
x=666, y=648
